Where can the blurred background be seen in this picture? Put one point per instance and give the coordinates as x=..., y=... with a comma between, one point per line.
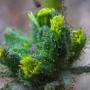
x=78, y=13
x=13, y=13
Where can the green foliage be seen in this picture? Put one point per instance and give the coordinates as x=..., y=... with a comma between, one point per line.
x=54, y=46
x=44, y=48
x=55, y=43
x=30, y=66
x=10, y=59
x=44, y=15
x=40, y=20
x=16, y=42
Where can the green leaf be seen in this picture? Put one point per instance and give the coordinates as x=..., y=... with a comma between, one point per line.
x=16, y=41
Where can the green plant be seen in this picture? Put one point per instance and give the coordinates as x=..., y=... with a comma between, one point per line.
x=10, y=59
x=16, y=42
x=53, y=48
x=29, y=66
x=78, y=40
x=54, y=40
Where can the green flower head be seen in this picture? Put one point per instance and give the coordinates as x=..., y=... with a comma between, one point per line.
x=44, y=11
x=30, y=66
x=43, y=16
x=78, y=37
x=56, y=24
